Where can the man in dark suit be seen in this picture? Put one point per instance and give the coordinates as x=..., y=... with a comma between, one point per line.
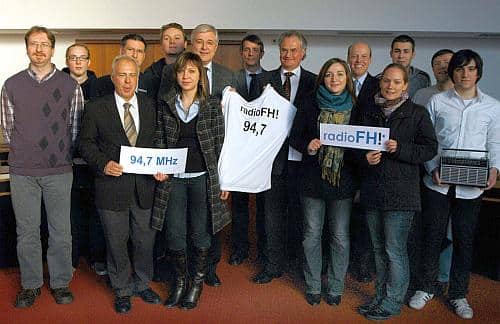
x=251, y=51
x=204, y=42
x=359, y=57
x=123, y=200
x=292, y=82
x=134, y=46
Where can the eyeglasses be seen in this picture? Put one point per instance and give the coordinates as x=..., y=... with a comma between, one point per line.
x=74, y=58
x=42, y=45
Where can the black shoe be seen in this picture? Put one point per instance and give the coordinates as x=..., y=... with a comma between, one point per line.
x=62, y=295
x=149, y=296
x=363, y=276
x=313, y=299
x=122, y=304
x=265, y=276
x=238, y=257
x=26, y=297
x=333, y=300
x=366, y=308
x=212, y=279
x=378, y=314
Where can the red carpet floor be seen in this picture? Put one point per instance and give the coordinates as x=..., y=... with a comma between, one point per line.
x=236, y=301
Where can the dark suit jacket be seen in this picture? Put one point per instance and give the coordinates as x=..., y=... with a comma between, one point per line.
x=221, y=78
x=368, y=90
x=101, y=136
x=241, y=84
x=306, y=86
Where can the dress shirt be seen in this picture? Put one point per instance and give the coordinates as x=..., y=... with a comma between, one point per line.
x=464, y=124
x=294, y=81
x=361, y=80
x=7, y=108
x=209, y=76
x=134, y=110
x=186, y=117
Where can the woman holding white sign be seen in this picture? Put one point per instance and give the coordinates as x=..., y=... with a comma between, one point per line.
x=192, y=200
x=328, y=182
x=390, y=186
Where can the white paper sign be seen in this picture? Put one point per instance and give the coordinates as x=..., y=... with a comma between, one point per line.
x=360, y=137
x=142, y=160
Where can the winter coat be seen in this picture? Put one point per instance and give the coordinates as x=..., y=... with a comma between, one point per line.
x=210, y=131
x=394, y=183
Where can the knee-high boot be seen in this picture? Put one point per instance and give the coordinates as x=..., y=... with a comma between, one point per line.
x=179, y=264
x=193, y=295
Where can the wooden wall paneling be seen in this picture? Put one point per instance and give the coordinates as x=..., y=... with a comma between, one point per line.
x=102, y=54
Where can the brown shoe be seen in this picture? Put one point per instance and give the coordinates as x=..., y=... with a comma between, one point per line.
x=62, y=295
x=26, y=297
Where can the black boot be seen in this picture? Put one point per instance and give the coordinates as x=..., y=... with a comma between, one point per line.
x=193, y=295
x=179, y=264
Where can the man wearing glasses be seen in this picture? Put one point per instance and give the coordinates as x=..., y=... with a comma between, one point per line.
x=82, y=197
x=40, y=111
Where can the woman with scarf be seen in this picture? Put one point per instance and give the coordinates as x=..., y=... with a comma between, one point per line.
x=327, y=185
x=390, y=186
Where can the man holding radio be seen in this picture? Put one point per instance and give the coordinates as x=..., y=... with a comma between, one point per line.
x=463, y=118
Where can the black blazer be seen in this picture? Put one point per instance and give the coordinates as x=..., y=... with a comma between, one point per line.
x=101, y=136
x=306, y=86
x=368, y=90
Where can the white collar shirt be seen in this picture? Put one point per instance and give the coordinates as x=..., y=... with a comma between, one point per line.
x=464, y=124
x=134, y=110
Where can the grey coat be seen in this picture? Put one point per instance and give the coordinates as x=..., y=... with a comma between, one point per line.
x=210, y=131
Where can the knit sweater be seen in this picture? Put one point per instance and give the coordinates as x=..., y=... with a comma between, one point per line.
x=41, y=138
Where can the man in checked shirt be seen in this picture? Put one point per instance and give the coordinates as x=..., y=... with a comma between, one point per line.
x=40, y=112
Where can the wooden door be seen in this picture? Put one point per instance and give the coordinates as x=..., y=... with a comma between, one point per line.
x=102, y=54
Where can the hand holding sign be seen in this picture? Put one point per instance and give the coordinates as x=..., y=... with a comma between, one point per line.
x=391, y=146
x=373, y=157
x=360, y=137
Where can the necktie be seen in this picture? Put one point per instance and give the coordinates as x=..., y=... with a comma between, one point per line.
x=252, y=81
x=287, y=85
x=209, y=88
x=358, y=86
x=128, y=124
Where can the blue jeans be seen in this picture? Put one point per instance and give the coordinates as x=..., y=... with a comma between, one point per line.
x=389, y=233
x=338, y=213
x=188, y=205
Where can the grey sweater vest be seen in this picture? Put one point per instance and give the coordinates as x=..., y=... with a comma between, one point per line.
x=41, y=137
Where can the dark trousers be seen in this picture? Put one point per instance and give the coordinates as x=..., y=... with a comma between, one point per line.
x=119, y=227
x=361, y=244
x=275, y=202
x=464, y=215
x=240, y=211
x=295, y=216
x=86, y=228
x=187, y=212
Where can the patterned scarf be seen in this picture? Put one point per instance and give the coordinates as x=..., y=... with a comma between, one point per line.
x=389, y=106
x=334, y=109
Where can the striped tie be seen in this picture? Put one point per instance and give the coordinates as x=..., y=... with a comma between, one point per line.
x=128, y=124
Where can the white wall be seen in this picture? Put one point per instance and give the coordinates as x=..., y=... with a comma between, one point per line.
x=360, y=15
x=13, y=54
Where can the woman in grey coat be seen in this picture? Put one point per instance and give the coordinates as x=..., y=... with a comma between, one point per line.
x=192, y=200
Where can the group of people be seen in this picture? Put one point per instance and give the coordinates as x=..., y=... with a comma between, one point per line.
x=61, y=151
